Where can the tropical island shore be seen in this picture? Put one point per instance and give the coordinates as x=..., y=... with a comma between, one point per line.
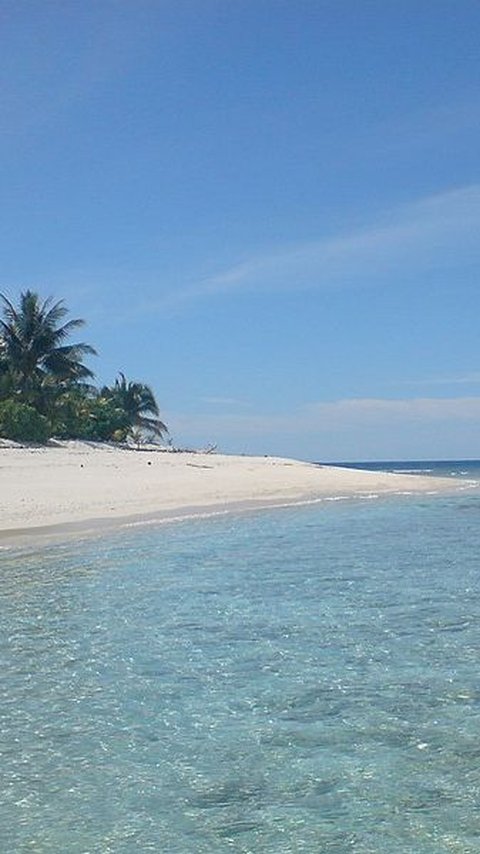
x=78, y=488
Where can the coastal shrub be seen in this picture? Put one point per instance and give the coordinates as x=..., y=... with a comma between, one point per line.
x=72, y=416
x=22, y=423
x=91, y=418
x=107, y=421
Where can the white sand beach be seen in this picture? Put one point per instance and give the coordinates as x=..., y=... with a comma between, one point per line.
x=77, y=487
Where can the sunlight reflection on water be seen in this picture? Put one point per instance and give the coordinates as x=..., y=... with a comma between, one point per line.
x=296, y=680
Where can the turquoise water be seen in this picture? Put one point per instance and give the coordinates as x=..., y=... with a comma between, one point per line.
x=301, y=680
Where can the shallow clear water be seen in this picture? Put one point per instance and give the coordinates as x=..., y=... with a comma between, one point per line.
x=301, y=680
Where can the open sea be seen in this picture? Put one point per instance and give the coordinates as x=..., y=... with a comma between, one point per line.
x=304, y=679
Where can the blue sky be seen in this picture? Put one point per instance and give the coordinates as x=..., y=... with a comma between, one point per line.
x=268, y=210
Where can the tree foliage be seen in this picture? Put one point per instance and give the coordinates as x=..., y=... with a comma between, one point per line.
x=22, y=423
x=43, y=376
x=138, y=402
x=34, y=344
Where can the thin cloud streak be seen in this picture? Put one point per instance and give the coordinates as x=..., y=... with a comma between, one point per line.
x=345, y=415
x=225, y=401
x=355, y=429
x=464, y=379
x=436, y=234
x=425, y=128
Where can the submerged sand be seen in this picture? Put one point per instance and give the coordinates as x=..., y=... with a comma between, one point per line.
x=78, y=487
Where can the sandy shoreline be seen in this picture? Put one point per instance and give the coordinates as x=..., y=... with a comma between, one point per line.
x=76, y=488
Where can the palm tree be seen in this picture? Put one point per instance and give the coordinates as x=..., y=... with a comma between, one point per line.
x=32, y=348
x=138, y=402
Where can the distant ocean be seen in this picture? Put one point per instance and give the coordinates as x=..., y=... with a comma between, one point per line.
x=293, y=680
x=433, y=468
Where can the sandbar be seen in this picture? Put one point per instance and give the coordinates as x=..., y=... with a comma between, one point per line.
x=77, y=487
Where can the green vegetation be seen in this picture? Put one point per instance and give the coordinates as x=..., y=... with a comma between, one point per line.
x=46, y=389
x=22, y=422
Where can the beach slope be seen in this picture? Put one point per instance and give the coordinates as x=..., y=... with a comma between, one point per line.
x=75, y=486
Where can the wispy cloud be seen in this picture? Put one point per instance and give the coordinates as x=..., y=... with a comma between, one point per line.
x=435, y=235
x=345, y=414
x=442, y=124
x=225, y=401
x=40, y=85
x=366, y=428
x=464, y=379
